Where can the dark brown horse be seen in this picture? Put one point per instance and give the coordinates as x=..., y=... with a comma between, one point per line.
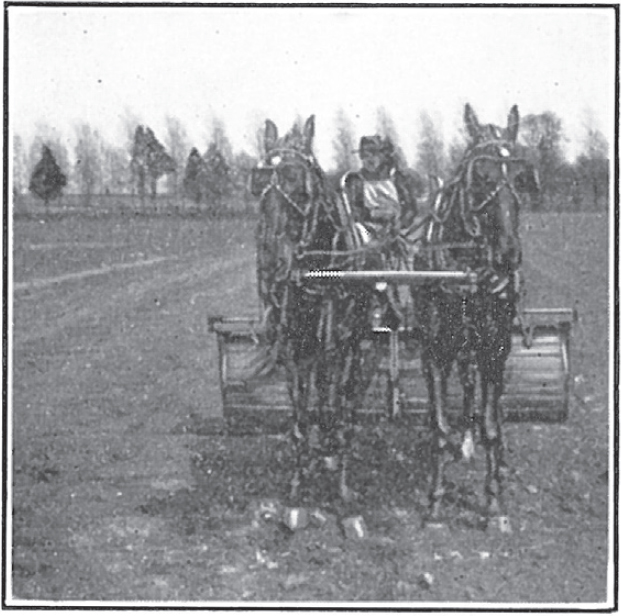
x=473, y=226
x=313, y=329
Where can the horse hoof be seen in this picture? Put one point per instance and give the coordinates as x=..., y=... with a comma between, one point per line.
x=354, y=527
x=500, y=523
x=467, y=448
x=295, y=518
x=331, y=463
x=348, y=495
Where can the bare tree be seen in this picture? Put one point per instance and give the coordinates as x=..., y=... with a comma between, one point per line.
x=130, y=121
x=431, y=159
x=219, y=178
x=592, y=168
x=20, y=166
x=115, y=172
x=243, y=164
x=386, y=128
x=259, y=141
x=344, y=143
x=543, y=135
x=88, y=161
x=220, y=139
x=177, y=142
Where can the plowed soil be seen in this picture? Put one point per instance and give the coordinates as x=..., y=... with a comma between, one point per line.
x=125, y=486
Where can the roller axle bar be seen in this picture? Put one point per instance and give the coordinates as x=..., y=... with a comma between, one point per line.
x=399, y=277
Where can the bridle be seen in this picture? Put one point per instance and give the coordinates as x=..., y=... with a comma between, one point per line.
x=463, y=198
x=503, y=158
x=461, y=192
x=272, y=168
x=267, y=179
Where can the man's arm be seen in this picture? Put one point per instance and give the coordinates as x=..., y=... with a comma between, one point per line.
x=407, y=194
x=351, y=188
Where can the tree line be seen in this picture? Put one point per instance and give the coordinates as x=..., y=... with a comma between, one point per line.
x=565, y=186
x=211, y=178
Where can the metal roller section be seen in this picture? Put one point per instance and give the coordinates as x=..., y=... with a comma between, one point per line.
x=537, y=378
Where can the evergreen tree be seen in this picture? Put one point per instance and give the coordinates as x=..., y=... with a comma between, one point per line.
x=150, y=161
x=195, y=178
x=47, y=180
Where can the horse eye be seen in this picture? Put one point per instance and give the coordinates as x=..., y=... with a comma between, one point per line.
x=480, y=174
x=484, y=178
x=290, y=173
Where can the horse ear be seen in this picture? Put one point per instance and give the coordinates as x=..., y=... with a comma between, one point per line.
x=471, y=121
x=271, y=135
x=513, y=123
x=309, y=133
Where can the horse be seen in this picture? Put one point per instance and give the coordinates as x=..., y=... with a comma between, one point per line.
x=473, y=226
x=312, y=328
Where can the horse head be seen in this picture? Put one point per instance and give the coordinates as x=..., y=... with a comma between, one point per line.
x=295, y=197
x=284, y=179
x=492, y=174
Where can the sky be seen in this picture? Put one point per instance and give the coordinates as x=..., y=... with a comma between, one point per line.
x=108, y=65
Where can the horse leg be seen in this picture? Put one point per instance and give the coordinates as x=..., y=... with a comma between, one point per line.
x=346, y=404
x=299, y=393
x=334, y=424
x=467, y=375
x=297, y=432
x=491, y=389
x=437, y=377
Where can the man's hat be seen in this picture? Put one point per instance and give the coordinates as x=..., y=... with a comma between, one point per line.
x=375, y=143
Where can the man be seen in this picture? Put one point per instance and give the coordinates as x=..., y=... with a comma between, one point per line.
x=379, y=195
x=382, y=203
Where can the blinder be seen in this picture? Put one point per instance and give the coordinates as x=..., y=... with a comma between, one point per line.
x=509, y=172
x=290, y=179
x=527, y=180
x=260, y=179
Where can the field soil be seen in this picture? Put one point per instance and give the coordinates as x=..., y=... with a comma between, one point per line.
x=126, y=487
